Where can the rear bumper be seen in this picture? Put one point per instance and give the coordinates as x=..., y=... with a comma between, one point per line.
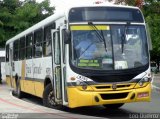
x=77, y=98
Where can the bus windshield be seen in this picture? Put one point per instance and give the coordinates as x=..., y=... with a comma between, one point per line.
x=125, y=47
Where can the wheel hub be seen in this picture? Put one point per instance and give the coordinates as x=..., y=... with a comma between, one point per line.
x=51, y=98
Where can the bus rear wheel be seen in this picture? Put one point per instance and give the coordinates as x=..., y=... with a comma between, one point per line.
x=49, y=97
x=19, y=93
x=113, y=106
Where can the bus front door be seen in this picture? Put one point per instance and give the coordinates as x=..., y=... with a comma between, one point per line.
x=57, y=80
x=11, y=66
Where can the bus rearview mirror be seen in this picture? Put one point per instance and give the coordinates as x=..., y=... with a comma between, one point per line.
x=66, y=36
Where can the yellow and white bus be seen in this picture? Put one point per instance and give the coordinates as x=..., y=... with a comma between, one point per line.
x=83, y=56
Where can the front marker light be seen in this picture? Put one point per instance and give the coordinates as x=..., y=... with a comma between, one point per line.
x=84, y=87
x=72, y=78
x=146, y=79
x=143, y=81
x=81, y=85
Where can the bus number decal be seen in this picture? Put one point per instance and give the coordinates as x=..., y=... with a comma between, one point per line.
x=82, y=78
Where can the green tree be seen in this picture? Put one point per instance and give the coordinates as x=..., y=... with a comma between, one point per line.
x=16, y=16
x=151, y=10
x=138, y=3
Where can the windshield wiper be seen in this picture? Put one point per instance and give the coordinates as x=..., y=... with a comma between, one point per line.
x=123, y=37
x=100, y=35
x=122, y=42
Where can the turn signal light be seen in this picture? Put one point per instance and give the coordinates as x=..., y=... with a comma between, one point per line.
x=73, y=78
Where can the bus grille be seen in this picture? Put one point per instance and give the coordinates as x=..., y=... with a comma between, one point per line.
x=114, y=96
x=109, y=87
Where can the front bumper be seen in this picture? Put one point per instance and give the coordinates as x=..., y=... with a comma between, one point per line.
x=78, y=98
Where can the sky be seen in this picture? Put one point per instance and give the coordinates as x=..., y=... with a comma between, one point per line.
x=59, y=4
x=63, y=2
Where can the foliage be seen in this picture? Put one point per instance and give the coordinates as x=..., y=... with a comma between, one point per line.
x=16, y=16
x=151, y=11
x=137, y=3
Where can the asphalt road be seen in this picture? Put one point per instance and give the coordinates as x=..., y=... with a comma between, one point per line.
x=31, y=107
x=129, y=110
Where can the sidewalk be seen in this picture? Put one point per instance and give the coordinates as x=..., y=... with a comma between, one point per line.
x=12, y=107
x=156, y=81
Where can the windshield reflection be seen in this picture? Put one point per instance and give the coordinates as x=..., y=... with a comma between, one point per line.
x=125, y=48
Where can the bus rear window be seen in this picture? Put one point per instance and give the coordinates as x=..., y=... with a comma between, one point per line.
x=105, y=14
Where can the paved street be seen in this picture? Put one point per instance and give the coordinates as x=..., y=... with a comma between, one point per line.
x=31, y=107
x=156, y=81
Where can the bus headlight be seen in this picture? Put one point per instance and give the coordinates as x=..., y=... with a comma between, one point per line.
x=143, y=82
x=81, y=85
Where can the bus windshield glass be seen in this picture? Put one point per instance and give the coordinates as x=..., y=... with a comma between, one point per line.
x=125, y=47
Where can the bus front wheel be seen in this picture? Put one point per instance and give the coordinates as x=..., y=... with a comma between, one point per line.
x=113, y=106
x=48, y=96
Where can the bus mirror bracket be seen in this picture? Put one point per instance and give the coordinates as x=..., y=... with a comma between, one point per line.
x=66, y=36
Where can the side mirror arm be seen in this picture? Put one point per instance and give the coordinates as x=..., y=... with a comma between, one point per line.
x=66, y=36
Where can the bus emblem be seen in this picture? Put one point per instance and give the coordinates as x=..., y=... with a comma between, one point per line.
x=114, y=86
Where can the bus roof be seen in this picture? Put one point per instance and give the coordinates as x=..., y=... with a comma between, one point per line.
x=61, y=13
x=91, y=4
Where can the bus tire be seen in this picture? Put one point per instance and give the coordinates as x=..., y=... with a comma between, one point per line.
x=113, y=106
x=19, y=93
x=48, y=96
x=14, y=93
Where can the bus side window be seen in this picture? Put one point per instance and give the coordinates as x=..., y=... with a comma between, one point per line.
x=47, y=49
x=38, y=38
x=22, y=50
x=16, y=50
x=29, y=45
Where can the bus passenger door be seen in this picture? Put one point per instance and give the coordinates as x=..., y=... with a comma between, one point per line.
x=57, y=82
x=11, y=65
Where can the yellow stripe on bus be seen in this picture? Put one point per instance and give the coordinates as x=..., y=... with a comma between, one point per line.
x=88, y=27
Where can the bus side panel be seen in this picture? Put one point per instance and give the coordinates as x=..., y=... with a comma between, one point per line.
x=28, y=81
x=39, y=88
x=42, y=68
